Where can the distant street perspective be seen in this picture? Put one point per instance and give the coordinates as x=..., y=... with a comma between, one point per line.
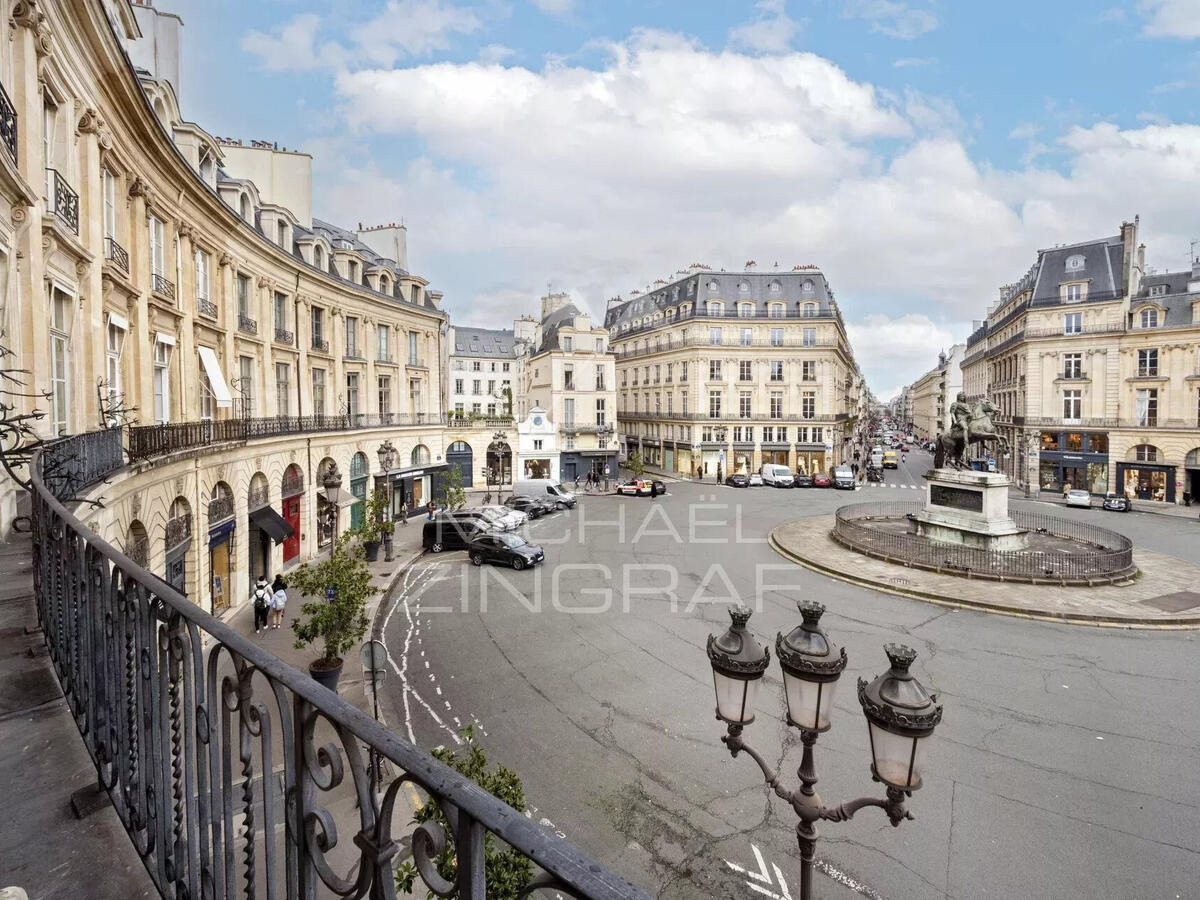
x=561, y=449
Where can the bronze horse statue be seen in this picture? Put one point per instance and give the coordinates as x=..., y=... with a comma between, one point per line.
x=980, y=429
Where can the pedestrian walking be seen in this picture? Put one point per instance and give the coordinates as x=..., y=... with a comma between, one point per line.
x=262, y=603
x=404, y=512
x=653, y=489
x=577, y=483
x=429, y=508
x=699, y=474
x=720, y=474
x=278, y=600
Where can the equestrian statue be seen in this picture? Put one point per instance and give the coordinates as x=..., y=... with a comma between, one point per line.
x=968, y=425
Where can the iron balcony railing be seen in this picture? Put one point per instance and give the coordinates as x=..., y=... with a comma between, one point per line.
x=475, y=420
x=292, y=485
x=116, y=254
x=220, y=509
x=706, y=341
x=72, y=463
x=283, y=336
x=160, y=284
x=320, y=344
x=236, y=775
x=258, y=497
x=727, y=314
x=206, y=307
x=247, y=324
x=138, y=550
x=64, y=201
x=414, y=363
x=731, y=417
x=8, y=124
x=178, y=530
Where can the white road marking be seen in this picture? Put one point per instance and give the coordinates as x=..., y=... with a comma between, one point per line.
x=761, y=882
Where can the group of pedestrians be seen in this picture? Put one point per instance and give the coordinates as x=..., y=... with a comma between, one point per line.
x=591, y=482
x=270, y=600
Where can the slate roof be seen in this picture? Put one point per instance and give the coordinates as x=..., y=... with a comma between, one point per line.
x=760, y=287
x=1176, y=301
x=498, y=343
x=1101, y=269
x=553, y=322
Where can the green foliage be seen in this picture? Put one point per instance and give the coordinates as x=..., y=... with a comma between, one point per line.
x=374, y=517
x=508, y=406
x=453, y=496
x=636, y=465
x=506, y=871
x=339, y=623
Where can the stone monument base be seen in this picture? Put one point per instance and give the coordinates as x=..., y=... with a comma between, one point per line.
x=969, y=508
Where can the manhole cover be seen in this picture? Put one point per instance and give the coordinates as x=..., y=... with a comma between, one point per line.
x=1177, y=602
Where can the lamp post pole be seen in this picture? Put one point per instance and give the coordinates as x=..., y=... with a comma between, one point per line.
x=900, y=715
x=333, y=494
x=387, y=459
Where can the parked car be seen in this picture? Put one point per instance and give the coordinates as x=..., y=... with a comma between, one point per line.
x=660, y=486
x=843, y=478
x=1117, y=503
x=821, y=480
x=756, y=480
x=449, y=533
x=802, y=480
x=507, y=549
x=532, y=506
x=738, y=480
x=510, y=518
x=776, y=475
x=635, y=487
x=1080, y=498
x=545, y=488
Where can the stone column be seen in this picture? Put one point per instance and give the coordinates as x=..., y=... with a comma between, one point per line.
x=266, y=329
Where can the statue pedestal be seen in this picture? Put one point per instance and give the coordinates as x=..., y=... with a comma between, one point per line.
x=969, y=508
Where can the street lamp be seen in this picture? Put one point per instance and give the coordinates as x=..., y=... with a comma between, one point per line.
x=333, y=495
x=387, y=459
x=901, y=716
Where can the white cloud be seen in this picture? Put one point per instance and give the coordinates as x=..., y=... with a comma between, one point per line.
x=667, y=153
x=894, y=18
x=292, y=46
x=555, y=7
x=1171, y=18
x=770, y=31
x=412, y=28
x=494, y=53
x=913, y=62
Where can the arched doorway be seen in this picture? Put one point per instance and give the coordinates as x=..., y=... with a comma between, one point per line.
x=358, y=488
x=177, y=540
x=137, y=543
x=499, y=463
x=221, y=523
x=459, y=456
x=291, y=493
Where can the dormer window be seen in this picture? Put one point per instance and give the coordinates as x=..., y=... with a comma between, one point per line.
x=1072, y=293
x=245, y=209
x=744, y=287
x=775, y=287
x=1148, y=318
x=713, y=286
x=282, y=229
x=1075, y=263
x=807, y=287
x=1158, y=290
x=318, y=256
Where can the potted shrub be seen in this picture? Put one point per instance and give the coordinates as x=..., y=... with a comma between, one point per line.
x=336, y=614
x=371, y=530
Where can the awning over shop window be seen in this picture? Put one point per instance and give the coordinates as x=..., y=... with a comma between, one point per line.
x=272, y=523
x=216, y=379
x=341, y=497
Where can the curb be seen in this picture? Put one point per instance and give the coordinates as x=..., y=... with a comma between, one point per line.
x=377, y=621
x=1098, y=621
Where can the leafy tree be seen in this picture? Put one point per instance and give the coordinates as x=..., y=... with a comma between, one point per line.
x=508, y=406
x=506, y=871
x=374, y=517
x=339, y=623
x=453, y=496
x=636, y=465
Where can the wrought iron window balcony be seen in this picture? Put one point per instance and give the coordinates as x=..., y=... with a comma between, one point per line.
x=206, y=307
x=320, y=344
x=414, y=363
x=259, y=497
x=283, y=336
x=64, y=201
x=138, y=550
x=220, y=509
x=178, y=530
x=160, y=284
x=292, y=485
x=386, y=358
x=247, y=324
x=116, y=254
x=8, y=124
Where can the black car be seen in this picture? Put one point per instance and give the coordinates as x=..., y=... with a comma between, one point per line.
x=660, y=487
x=503, y=547
x=1117, y=503
x=531, y=506
x=737, y=480
x=448, y=533
x=802, y=480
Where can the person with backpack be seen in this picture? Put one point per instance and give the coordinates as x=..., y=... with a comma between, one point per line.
x=262, y=603
x=278, y=600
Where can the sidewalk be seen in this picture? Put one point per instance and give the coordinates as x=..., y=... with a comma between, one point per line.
x=43, y=847
x=1139, y=506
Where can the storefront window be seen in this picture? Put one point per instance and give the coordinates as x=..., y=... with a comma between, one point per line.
x=1049, y=475
x=741, y=462
x=1098, y=443
x=1074, y=441
x=1146, y=484
x=1097, y=474
x=1049, y=441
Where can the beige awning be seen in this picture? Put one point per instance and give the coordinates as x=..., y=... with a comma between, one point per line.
x=216, y=379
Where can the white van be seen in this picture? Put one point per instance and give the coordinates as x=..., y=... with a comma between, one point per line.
x=778, y=476
x=544, y=489
x=877, y=458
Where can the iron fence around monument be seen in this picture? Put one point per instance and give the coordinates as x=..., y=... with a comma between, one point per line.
x=236, y=775
x=1100, y=555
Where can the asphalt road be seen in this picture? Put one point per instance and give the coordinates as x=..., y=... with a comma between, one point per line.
x=1067, y=764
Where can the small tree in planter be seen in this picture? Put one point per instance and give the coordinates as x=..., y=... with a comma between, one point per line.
x=371, y=530
x=453, y=496
x=339, y=621
x=636, y=466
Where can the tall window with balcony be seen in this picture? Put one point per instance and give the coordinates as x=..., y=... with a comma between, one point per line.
x=245, y=384
x=246, y=321
x=317, y=324
x=383, y=337
x=1072, y=406
x=414, y=356
x=810, y=337
x=1073, y=323
x=162, y=382
x=113, y=251
x=569, y=377
x=204, y=304
x=1072, y=365
x=569, y=412
x=283, y=333
x=208, y=402
x=714, y=336
x=808, y=405
x=352, y=393
x=745, y=370
x=115, y=343
x=384, y=385
x=683, y=403
x=1147, y=365
x=602, y=412
x=714, y=406
x=351, y=336
x=159, y=283
x=62, y=308
x=776, y=405
x=283, y=389
x=776, y=337
x=747, y=337
x=414, y=397
x=745, y=404
x=318, y=392
x=1146, y=407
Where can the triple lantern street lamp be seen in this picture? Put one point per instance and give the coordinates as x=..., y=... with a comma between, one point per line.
x=332, y=483
x=387, y=461
x=901, y=716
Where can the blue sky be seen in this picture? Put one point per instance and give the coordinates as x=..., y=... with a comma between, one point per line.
x=919, y=152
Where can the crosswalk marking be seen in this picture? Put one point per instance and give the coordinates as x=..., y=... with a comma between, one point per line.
x=872, y=484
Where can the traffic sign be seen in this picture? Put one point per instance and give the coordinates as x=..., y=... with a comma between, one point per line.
x=373, y=655
x=330, y=592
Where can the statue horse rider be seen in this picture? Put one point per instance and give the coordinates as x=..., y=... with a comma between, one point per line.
x=968, y=424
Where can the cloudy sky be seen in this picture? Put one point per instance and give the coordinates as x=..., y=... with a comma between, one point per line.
x=918, y=151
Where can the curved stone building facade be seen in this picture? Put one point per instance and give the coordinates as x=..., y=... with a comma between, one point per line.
x=176, y=285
